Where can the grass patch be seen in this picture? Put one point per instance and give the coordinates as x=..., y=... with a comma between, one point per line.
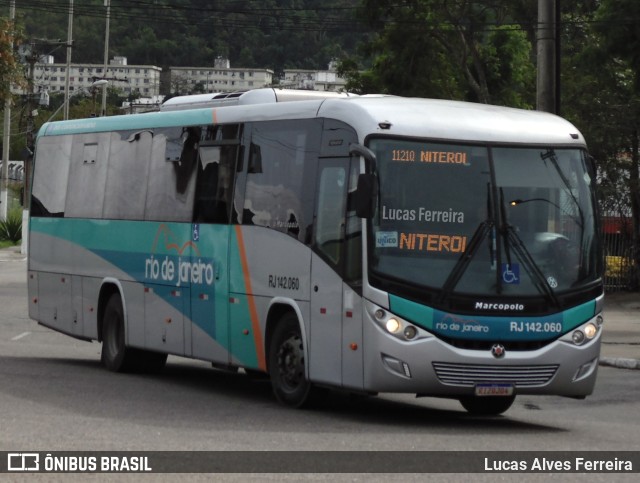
x=7, y=244
x=11, y=227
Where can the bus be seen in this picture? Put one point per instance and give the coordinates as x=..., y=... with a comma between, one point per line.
x=373, y=244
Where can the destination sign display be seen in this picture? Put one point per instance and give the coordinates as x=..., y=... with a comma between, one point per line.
x=426, y=156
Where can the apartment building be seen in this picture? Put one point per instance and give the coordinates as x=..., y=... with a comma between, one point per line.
x=317, y=80
x=50, y=77
x=219, y=78
x=145, y=80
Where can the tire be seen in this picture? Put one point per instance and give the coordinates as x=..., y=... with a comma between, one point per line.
x=287, y=364
x=487, y=406
x=116, y=356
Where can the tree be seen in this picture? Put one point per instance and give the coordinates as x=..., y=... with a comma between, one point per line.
x=179, y=84
x=619, y=35
x=459, y=49
x=509, y=71
x=11, y=71
x=600, y=96
x=271, y=34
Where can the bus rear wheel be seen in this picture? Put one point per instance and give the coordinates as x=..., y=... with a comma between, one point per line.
x=487, y=406
x=287, y=364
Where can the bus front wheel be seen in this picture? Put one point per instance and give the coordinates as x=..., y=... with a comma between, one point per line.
x=487, y=406
x=287, y=363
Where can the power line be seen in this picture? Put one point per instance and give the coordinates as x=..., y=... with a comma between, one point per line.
x=234, y=14
x=145, y=10
x=250, y=18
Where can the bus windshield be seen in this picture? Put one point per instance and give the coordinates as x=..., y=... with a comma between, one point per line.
x=483, y=220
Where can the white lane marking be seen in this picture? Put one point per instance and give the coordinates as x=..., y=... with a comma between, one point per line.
x=18, y=337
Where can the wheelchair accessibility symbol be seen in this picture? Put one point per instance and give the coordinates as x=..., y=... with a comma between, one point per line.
x=511, y=273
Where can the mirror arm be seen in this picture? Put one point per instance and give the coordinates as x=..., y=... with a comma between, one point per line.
x=366, y=153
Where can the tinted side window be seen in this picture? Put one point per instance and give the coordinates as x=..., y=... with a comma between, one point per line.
x=50, y=177
x=280, y=176
x=126, y=187
x=129, y=175
x=171, y=178
x=330, y=217
x=216, y=173
x=87, y=175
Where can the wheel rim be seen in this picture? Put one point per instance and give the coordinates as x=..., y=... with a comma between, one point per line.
x=291, y=363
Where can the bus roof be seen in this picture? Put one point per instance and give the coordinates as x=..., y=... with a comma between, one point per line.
x=368, y=115
x=451, y=120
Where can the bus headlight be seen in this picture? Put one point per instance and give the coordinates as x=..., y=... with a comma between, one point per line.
x=585, y=332
x=590, y=330
x=394, y=325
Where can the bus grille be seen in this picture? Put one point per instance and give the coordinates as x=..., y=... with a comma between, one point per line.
x=485, y=345
x=472, y=374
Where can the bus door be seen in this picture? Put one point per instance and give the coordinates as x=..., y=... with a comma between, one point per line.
x=210, y=235
x=325, y=338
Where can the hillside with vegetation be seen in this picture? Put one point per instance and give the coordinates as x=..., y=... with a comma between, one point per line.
x=269, y=34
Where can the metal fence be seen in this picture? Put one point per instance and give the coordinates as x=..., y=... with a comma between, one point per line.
x=619, y=255
x=15, y=171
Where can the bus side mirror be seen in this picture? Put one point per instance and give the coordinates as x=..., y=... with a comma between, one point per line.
x=593, y=166
x=364, y=198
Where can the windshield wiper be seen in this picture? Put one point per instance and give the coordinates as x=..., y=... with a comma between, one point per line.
x=512, y=240
x=484, y=228
x=530, y=265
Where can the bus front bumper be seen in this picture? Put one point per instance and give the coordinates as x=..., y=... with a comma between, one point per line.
x=429, y=366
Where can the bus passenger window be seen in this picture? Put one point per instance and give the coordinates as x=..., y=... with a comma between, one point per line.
x=281, y=167
x=214, y=184
x=171, y=174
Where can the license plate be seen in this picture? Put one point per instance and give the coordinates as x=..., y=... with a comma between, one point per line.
x=494, y=390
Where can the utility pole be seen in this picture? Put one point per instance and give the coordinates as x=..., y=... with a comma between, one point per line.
x=69, y=45
x=558, y=46
x=6, y=139
x=103, y=111
x=31, y=59
x=546, y=49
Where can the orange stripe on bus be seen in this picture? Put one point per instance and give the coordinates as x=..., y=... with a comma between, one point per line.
x=253, y=312
x=215, y=116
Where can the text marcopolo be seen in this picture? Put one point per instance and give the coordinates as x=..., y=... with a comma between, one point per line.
x=498, y=306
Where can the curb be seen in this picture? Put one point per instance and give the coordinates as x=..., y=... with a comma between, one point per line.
x=12, y=258
x=620, y=362
x=12, y=254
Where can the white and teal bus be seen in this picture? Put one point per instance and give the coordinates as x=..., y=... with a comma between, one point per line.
x=368, y=243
